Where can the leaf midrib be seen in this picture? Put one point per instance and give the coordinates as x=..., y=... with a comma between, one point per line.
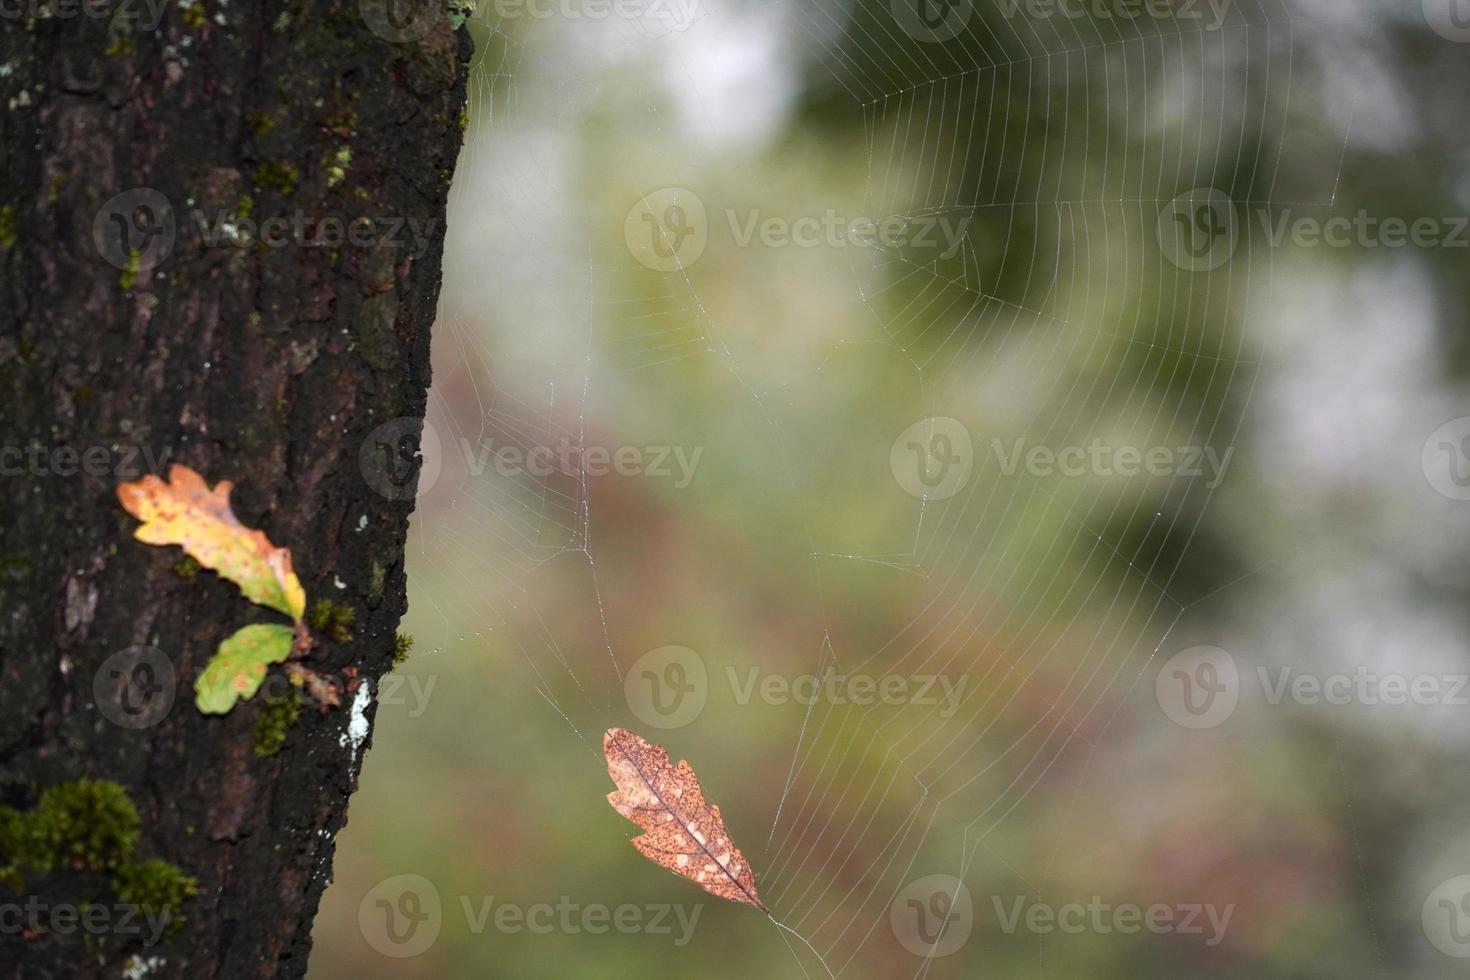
x=689, y=833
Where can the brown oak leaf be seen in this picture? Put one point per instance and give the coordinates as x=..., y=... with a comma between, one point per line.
x=681, y=831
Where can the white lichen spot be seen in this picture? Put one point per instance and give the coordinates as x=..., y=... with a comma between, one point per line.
x=136, y=967
x=338, y=582
x=362, y=523
x=357, y=725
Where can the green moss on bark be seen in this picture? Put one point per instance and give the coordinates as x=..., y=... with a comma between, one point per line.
x=89, y=825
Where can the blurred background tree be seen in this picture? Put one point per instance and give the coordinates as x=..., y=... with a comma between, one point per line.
x=1118, y=185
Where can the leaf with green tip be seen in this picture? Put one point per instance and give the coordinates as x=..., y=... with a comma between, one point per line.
x=239, y=666
x=186, y=512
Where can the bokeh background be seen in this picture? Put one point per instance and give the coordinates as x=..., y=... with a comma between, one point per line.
x=1084, y=217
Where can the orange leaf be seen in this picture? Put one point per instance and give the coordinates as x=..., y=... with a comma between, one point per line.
x=184, y=511
x=682, y=832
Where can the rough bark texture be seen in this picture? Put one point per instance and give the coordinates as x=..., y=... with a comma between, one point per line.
x=268, y=365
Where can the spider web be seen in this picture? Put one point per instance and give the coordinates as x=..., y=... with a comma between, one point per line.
x=1058, y=319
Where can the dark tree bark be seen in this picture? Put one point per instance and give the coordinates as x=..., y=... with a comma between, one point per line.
x=124, y=347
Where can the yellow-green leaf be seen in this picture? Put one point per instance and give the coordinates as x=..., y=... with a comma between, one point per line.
x=184, y=511
x=239, y=666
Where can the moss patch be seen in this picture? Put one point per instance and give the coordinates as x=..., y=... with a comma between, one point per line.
x=15, y=567
x=7, y=226
x=260, y=123
x=402, y=649
x=337, y=165
x=128, y=278
x=274, y=722
x=279, y=176
x=157, y=887
x=332, y=620
x=90, y=825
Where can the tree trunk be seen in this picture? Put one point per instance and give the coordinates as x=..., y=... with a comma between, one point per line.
x=152, y=314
